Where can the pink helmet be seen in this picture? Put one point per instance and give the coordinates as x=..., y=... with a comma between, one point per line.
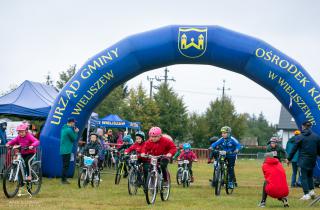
x=22, y=127
x=155, y=131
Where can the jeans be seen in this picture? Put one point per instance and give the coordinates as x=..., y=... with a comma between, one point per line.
x=307, y=180
x=294, y=175
x=65, y=166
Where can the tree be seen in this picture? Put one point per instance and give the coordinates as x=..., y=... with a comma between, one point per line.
x=65, y=76
x=221, y=113
x=114, y=102
x=141, y=108
x=173, y=112
x=259, y=127
x=198, y=130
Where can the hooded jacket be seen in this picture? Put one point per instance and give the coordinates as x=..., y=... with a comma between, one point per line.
x=275, y=176
x=28, y=140
x=68, y=137
x=289, y=148
x=308, y=144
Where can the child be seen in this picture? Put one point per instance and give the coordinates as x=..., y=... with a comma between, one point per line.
x=275, y=184
x=275, y=147
x=25, y=139
x=127, y=142
x=187, y=154
x=137, y=147
x=95, y=145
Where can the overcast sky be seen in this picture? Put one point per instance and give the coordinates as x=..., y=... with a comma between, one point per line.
x=37, y=37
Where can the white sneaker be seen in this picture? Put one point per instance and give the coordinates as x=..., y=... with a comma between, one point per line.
x=305, y=197
x=312, y=194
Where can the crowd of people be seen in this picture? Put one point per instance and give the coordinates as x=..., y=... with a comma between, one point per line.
x=301, y=152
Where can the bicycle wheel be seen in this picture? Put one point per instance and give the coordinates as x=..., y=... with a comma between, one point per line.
x=119, y=173
x=227, y=178
x=184, y=178
x=95, y=182
x=165, y=188
x=179, y=176
x=132, y=182
x=35, y=184
x=218, y=180
x=83, y=179
x=151, y=188
x=11, y=183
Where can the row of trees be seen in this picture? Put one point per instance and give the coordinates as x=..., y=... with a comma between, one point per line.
x=168, y=111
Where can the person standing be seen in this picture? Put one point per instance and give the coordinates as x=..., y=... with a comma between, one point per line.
x=294, y=161
x=308, y=144
x=69, y=134
x=3, y=135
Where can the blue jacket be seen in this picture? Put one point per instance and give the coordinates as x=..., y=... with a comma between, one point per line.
x=3, y=137
x=229, y=144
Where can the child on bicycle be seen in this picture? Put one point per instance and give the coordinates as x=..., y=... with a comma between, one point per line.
x=187, y=154
x=25, y=140
x=127, y=142
x=137, y=147
x=231, y=145
x=275, y=184
x=159, y=145
x=93, y=148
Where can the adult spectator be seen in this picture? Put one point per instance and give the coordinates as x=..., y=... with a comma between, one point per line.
x=308, y=144
x=3, y=135
x=294, y=161
x=69, y=134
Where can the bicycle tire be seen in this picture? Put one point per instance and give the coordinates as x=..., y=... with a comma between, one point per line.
x=132, y=182
x=218, y=180
x=36, y=185
x=82, y=179
x=6, y=179
x=95, y=181
x=179, y=179
x=229, y=191
x=165, y=196
x=151, y=186
x=119, y=173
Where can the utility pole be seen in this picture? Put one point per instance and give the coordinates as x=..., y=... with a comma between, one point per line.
x=223, y=89
x=150, y=79
x=165, y=77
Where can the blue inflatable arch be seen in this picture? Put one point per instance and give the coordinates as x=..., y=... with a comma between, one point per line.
x=285, y=78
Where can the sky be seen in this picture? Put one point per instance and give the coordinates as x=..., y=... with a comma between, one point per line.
x=37, y=37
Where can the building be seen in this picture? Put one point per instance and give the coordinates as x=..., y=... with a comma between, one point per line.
x=286, y=126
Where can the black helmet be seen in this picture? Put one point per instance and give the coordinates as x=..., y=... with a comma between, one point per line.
x=93, y=133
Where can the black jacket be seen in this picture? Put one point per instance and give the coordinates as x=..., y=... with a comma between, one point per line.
x=308, y=144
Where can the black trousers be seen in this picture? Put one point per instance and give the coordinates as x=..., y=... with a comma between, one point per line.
x=307, y=180
x=27, y=160
x=65, y=166
x=163, y=165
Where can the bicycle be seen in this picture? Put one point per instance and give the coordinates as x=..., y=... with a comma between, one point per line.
x=186, y=178
x=155, y=181
x=120, y=168
x=15, y=178
x=136, y=177
x=221, y=175
x=179, y=172
x=88, y=172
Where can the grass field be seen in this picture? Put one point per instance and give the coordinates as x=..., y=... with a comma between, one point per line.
x=200, y=195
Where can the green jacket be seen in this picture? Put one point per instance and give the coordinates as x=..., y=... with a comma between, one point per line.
x=289, y=147
x=281, y=153
x=175, y=157
x=68, y=137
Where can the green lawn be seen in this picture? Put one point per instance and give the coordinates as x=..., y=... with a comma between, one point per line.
x=198, y=196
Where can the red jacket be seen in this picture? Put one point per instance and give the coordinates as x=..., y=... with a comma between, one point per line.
x=161, y=147
x=138, y=148
x=275, y=177
x=187, y=156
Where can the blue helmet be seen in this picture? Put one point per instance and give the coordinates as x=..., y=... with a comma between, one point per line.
x=128, y=139
x=186, y=146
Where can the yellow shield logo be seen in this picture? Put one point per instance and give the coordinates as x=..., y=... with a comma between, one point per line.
x=192, y=42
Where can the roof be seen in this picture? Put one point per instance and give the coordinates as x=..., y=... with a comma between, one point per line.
x=286, y=121
x=31, y=99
